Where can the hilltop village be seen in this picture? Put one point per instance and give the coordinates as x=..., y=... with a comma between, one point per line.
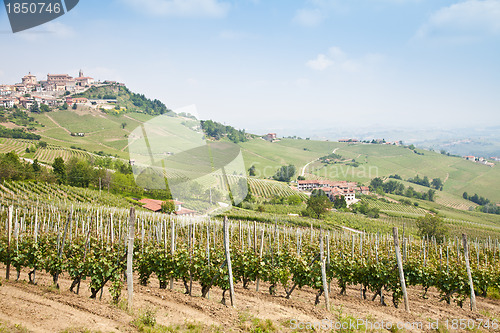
x=53, y=92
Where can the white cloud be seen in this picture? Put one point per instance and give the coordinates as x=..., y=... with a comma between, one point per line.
x=338, y=60
x=320, y=63
x=317, y=11
x=309, y=17
x=462, y=22
x=47, y=30
x=181, y=8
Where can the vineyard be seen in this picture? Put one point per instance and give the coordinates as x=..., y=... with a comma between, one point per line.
x=88, y=242
x=269, y=189
x=50, y=153
x=33, y=192
x=396, y=209
x=43, y=154
x=17, y=145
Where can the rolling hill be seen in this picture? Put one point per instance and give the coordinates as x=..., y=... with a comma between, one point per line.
x=107, y=133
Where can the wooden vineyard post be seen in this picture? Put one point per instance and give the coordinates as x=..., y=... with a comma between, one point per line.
x=352, y=248
x=228, y=260
x=361, y=257
x=260, y=256
x=61, y=246
x=190, y=250
x=323, y=271
x=130, y=258
x=9, y=236
x=172, y=249
x=240, y=231
x=473, y=305
x=328, y=259
x=255, y=237
x=400, y=268
x=208, y=250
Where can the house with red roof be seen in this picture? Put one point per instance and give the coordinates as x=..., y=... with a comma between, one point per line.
x=155, y=206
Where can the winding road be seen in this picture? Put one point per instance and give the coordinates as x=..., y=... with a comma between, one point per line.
x=302, y=173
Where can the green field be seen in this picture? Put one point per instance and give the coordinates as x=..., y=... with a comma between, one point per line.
x=104, y=132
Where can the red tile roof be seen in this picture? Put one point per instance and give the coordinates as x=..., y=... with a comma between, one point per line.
x=155, y=205
x=184, y=211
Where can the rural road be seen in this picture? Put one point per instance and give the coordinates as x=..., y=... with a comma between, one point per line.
x=305, y=166
x=353, y=230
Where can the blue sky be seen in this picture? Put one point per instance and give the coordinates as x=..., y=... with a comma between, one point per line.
x=282, y=65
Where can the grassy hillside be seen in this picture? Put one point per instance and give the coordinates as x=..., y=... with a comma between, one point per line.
x=103, y=132
x=108, y=133
x=375, y=161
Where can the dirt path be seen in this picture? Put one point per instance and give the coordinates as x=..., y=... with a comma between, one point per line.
x=302, y=173
x=57, y=124
x=44, y=309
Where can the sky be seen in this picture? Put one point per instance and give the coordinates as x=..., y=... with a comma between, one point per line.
x=282, y=65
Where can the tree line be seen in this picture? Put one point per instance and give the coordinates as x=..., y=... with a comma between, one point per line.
x=436, y=183
x=17, y=133
x=218, y=131
x=394, y=187
x=78, y=173
x=485, y=205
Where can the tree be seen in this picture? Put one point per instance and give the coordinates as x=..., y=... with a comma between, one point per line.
x=36, y=165
x=75, y=106
x=430, y=195
x=216, y=196
x=465, y=196
x=168, y=207
x=79, y=172
x=285, y=173
x=425, y=182
x=124, y=124
x=251, y=171
x=34, y=108
x=318, y=204
x=64, y=106
x=42, y=144
x=432, y=226
x=44, y=108
x=301, y=178
x=59, y=169
x=294, y=200
x=339, y=202
x=11, y=167
x=376, y=183
x=437, y=183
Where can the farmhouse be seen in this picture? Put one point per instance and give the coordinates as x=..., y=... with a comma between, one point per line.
x=270, y=137
x=305, y=185
x=155, y=206
x=334, y=189
x=335, y=192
